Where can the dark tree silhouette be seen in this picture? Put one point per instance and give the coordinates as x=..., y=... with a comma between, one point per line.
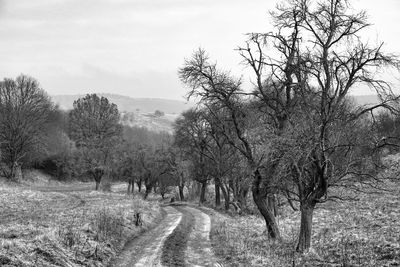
x=25, y=110
x=94, y=126
x=318, y=57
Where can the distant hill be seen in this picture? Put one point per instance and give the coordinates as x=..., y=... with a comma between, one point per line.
x=151, y=121
x=129, y=104
x=150, y=105
x=140, y=112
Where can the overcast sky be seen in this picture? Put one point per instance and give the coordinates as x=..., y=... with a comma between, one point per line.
x=134, y=47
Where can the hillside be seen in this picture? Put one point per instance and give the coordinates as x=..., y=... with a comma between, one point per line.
x=150, y=121
x=129, y=104
x=140, y=111
x=168, y=106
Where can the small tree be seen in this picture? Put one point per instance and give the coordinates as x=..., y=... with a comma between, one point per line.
x=192, y=138
x=159, y=113
x=94, y=126
x=25, y=109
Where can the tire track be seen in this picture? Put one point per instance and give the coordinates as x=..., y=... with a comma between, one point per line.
x=146, y=250
x=198, y=251
x=173, y=253
x=181, y=239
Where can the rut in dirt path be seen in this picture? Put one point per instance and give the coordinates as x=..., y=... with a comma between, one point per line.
x=146, y=249
x=175, y=245
x=198, y=251
x=181, y=239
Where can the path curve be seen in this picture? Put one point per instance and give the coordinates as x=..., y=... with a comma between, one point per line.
x=180, y=239
x=146, y=250
x=198, y=251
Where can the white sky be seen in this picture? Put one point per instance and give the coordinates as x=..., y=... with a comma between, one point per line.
x=135, y=47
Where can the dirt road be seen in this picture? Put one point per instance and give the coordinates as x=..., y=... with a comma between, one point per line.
x=181, y=239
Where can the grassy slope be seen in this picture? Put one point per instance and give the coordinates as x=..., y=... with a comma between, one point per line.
x=361, y=233
x=77, y=228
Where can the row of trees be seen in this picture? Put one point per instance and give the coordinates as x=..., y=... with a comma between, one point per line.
x=298, y=134
x=87, y=141
x=295, y=136
x=105, y=148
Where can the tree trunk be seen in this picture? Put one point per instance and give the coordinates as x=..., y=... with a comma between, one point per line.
x=155, y=189
x=148, y=191
x=226, y=195
x=272, y=204
x=217, y=195
x=11, y=173
x=307, y=211
x=243, y=199
x=181, y=195
x=203, y=192
x=261, y=201
x=97, y=184
x=227, y=201
x=291, y=202
x=139, y=184
x=133, y=186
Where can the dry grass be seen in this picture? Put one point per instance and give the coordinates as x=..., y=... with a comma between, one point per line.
x=361, y=233
x=67, y=228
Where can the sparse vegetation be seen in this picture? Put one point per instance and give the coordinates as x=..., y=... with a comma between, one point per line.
x=361, y=233
x=297, y=173
x=68, y=228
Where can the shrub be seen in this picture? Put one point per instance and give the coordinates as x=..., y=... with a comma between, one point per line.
x=108, y=225
x=159, y=113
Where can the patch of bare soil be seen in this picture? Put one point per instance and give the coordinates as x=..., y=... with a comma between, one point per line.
x=174, y=247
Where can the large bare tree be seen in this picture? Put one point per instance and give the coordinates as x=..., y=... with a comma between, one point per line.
x=304, y=73
x=313, y=136
x=25, y=109
x=219, y=90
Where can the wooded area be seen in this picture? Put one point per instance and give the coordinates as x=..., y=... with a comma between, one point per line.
x=297, y=139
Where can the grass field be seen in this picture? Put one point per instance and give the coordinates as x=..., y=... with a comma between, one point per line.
x=358, y=233
x=67, y=224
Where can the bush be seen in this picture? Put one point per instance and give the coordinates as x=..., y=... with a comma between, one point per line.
x=159, y=113
x=108, y=225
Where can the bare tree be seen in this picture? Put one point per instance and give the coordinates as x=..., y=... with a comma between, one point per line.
x=303, y=74
x=25, y=109
x=217, y=88
x=192, y=137
x=318, y=59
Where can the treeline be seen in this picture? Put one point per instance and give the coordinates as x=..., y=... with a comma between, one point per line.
x=85, y=143
x=296, y=136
